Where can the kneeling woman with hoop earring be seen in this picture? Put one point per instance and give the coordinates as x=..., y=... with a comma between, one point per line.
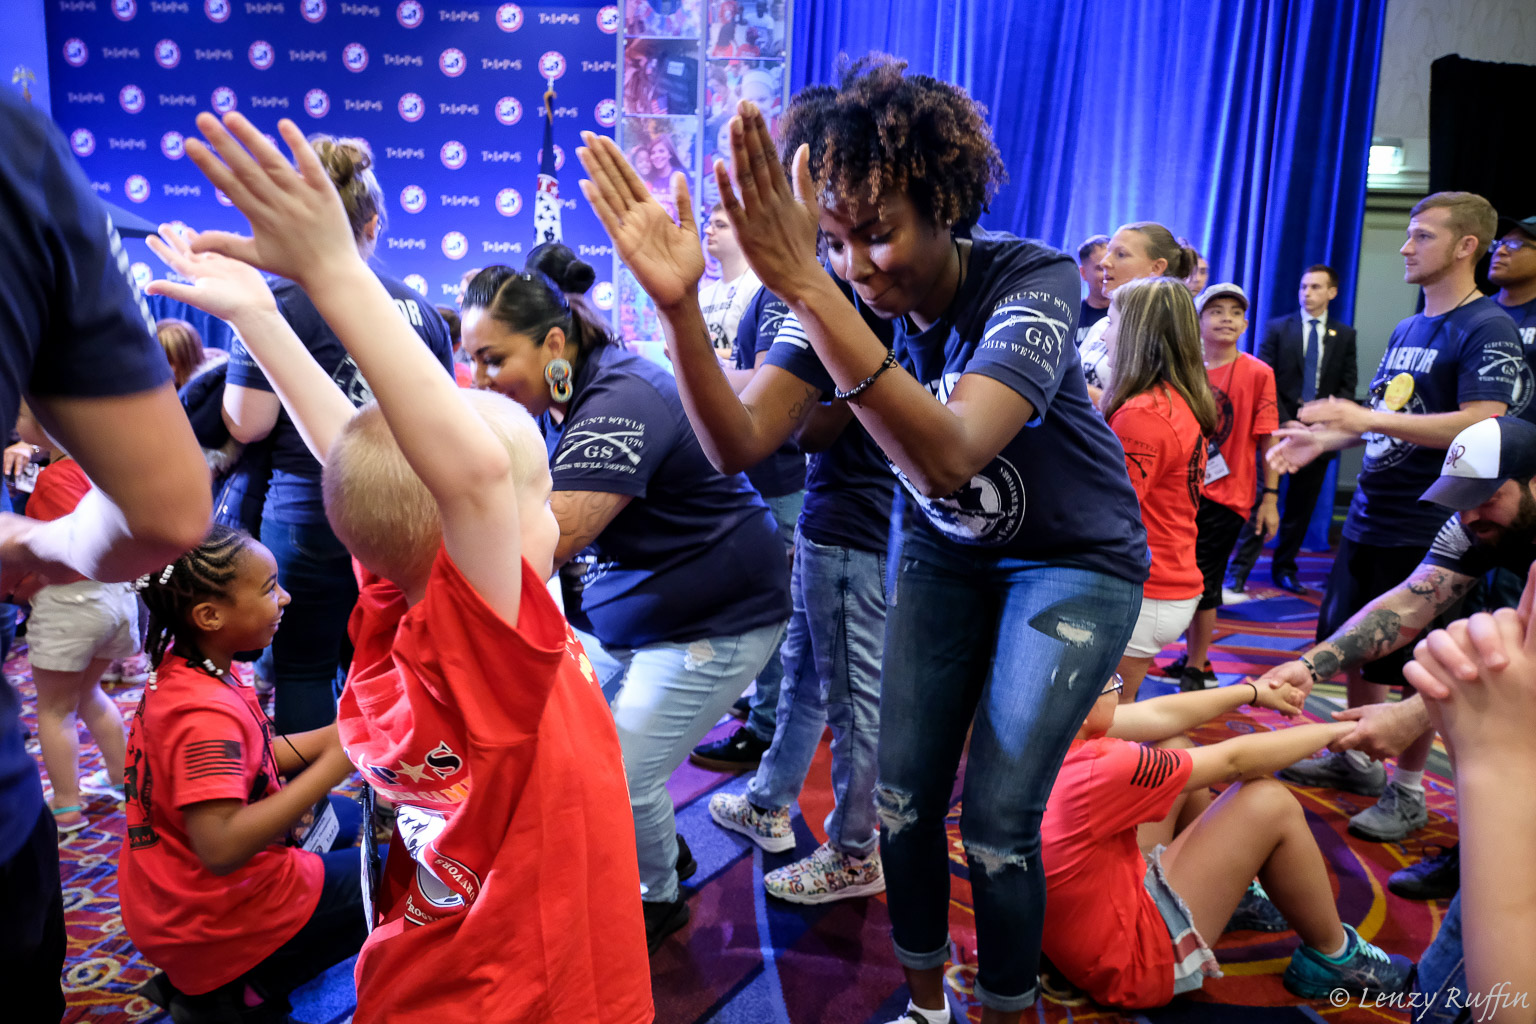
x=682, y=578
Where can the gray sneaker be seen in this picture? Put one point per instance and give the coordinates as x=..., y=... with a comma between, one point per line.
x=1335, y=771
x=1398, y=814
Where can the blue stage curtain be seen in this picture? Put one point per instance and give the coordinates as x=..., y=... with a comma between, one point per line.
x=1244, y=125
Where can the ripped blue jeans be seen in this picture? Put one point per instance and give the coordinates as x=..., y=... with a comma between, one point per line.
x=1015, y=653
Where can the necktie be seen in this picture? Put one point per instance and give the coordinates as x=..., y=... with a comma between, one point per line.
x=1309, y=363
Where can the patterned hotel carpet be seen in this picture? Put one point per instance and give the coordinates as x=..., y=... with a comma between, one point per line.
x=747, y=960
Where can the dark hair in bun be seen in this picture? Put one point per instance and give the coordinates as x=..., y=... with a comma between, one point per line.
x=555, y=260
x=532, y=303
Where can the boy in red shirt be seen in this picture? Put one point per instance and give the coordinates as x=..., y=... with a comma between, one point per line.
x=1248, y=417
x=470, y=702
x=1132, y=931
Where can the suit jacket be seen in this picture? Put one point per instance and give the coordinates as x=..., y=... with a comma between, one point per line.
x=1281, y=348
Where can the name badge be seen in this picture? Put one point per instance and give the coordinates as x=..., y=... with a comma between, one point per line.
x=1215, y=466
x=319, y=828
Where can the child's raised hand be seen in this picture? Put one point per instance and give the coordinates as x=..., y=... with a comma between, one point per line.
x=664, y=256
x=224, y=287
x=298, y=226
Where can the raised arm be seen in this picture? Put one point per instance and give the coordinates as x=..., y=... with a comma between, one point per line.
x=299, y=230
x=1160, y=718
x=236, y=292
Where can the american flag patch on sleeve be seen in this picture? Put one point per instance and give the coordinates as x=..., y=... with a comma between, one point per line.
x=207, y=758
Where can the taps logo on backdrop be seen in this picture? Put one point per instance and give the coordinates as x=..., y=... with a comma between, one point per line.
x=224, y=100
x=313, y=11
x=167, y=53
x=82, y=142
x=217, y=10
x=413, y=199
x=509, y=110
x=552, y=64
x=416, y=281
x=452, y=62
x=262, y=55
x=454, y=155
x=602, y=295
x=509, y=17
x=141, y=274
x=354, y=56
x=508, y=202
x=76, y=53
x=606, y=113
x=223, y=199
x=455, y=245
x=136, y=188
x=317, y=103
x=173, y=145
x=124, y=10
x=131, y=97
x=559, y=157
x=410, y=14
x=608, y=19
x=411, y=107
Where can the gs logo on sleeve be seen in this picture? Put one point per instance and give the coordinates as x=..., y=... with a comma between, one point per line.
x=987, y=510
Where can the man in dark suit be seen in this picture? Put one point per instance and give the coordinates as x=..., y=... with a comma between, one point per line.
x=1313, y=356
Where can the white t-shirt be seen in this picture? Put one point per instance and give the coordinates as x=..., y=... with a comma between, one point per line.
x=1098, y=362
x=723, y=303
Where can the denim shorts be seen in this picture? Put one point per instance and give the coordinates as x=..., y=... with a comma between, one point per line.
x=72, y=624
x=1193, y=960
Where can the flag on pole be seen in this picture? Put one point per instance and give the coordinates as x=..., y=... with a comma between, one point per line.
x=546, y=204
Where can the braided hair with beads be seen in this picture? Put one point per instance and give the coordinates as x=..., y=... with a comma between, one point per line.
x=170, y=594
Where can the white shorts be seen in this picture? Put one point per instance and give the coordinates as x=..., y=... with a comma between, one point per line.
x=73, y=624
x=1159, y=625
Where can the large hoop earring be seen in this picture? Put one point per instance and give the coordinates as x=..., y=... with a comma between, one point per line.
x=557, y=374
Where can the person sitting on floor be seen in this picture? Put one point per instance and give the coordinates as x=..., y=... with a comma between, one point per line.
x=1100, y=888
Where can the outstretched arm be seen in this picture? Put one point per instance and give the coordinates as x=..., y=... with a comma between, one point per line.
x=300, y=230
x=1430, y=429
x=1160, y=718
x=1259, y=753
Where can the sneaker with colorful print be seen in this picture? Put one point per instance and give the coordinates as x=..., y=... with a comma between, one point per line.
x=827, y=875
x=769, y=829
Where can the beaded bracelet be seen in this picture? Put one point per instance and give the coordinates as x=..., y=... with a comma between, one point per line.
x=863, y=386
x=1308, y=663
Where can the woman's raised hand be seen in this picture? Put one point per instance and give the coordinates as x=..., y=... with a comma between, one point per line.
x=224, y=287
x=298, y=226
x=775, y=226
x=665, y=256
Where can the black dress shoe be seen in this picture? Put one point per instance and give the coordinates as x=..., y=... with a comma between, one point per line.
x=687, y=867
x=662, y=919
x=1434, y=878
x=1287, y=581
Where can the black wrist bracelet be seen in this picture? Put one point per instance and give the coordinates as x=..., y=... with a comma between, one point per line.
x=863, y=385
x=1271, y=490
x=1308, y=663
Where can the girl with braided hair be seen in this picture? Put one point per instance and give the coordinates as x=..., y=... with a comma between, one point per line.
x=1020, y=552
x=211, y=892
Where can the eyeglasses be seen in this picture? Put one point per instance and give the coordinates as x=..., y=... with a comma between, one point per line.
x=1512, y=244
x=1116, y=685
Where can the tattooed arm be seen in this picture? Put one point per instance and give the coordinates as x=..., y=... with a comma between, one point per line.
x=582, y=516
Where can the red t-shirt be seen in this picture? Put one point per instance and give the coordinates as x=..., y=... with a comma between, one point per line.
x=463, y=375
x=1245, y=412
x=503, y=760
x=197, y=738
x=1102, y=929
x=1165, y=457
x=59, y=488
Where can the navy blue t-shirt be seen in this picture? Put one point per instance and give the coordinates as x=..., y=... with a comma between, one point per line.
x=72, y=325
x=783, y=472
x=294, y=495
x=848, y=487
x=696, y=554
x=1455, y=549
x=1524, y=316
x=1087, y=316
x=1058, y=491
x=1471, y=354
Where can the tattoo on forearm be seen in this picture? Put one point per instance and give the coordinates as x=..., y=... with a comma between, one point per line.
x=1440, y=589
x=1369, y=638
x=799, y=410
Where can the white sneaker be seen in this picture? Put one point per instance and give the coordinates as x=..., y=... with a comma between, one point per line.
x=99, y=784
x=826, y=875
x=769, y=829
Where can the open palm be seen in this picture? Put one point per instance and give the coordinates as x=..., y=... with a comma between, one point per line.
x=216, y=284
x=663, y=254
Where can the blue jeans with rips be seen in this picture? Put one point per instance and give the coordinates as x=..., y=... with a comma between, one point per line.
x=765, y=699
x=665, y=697
x=831, y=657
x=1014, y=653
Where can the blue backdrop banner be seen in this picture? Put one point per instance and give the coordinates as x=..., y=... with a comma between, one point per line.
x=448, y=96
x=1243, y=125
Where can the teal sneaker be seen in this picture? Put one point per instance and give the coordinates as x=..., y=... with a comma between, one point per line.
x=1362, y=969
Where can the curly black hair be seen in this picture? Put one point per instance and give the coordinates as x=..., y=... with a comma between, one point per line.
x=201, y=574
x=881, y=130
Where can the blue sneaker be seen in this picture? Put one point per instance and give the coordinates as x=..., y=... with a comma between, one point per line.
x=1257, y=914
x=1361, y=970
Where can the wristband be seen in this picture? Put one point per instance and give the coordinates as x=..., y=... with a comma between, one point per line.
x=1271, y=490
x=863, y=386
x=1255, y=701
x=1308, y=663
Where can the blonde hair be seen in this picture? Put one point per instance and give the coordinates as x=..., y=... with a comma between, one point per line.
x=349, y=163
x=379, y=507
x=1468, y=213
x=183, y=347
x=1158, y=342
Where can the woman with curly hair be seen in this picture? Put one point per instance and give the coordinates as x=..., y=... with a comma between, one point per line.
x=1021, y=550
